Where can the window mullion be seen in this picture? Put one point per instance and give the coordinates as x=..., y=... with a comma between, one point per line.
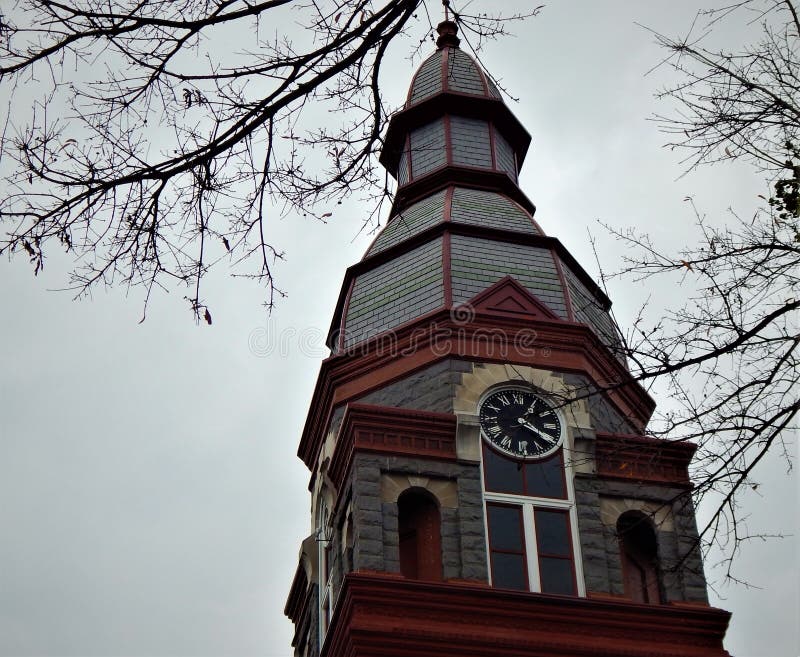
x=531, y=549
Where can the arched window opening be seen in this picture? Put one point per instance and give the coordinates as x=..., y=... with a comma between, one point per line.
x=639, y=552
x=419, y=526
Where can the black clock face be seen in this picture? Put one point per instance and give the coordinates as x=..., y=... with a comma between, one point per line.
x=520, y=423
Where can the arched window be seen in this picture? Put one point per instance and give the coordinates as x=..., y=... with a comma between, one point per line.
x=419, y=526
x=639, y=553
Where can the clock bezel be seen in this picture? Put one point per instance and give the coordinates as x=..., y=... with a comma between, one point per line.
x=539, y=395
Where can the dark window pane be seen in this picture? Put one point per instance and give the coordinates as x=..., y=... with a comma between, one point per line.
x=552, y=533
x=503, y=475
x=546, y=478
x=556, y=576
x=508, y=571
x=505, y=527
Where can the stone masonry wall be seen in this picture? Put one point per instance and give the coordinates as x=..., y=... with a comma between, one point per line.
x=676, y=534
x=430, y=389
x=375, y=520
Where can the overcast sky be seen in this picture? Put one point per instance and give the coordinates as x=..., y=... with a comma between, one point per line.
x=151, y=500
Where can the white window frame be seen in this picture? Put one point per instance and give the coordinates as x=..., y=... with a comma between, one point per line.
x=528, y=504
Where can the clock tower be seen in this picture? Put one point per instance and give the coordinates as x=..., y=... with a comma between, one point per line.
x=481, y=481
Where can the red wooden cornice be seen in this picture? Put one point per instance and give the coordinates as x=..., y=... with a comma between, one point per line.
x=487, y=337
x=384, y=616
x=297, y=594
x=388, y=430
x=644, y=458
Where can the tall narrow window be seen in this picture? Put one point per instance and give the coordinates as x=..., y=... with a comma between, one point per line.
x=419, y=526
x=529, y=519
x=554, y=549
x=639, y=553
x=507, y=546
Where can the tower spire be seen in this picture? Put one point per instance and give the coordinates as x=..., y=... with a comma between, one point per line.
x=459, y=475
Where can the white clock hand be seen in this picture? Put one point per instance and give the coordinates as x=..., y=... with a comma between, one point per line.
x=548, y=439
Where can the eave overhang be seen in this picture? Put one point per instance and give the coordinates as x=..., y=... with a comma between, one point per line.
x=389, y=616
x=554, y=344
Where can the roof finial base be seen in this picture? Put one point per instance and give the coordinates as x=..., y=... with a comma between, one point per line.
x=447, y=35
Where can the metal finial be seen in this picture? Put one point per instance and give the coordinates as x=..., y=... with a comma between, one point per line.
x=447, y=34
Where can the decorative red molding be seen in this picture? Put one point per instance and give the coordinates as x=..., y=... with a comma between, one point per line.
x=509, y=298
x=378, y=616
x=447, y=279
x=297, y=594
x=643, y=458
x=297, y=605
x=391, y=431
x=489, y=337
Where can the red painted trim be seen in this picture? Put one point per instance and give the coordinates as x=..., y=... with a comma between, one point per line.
x=388, y=430
x=564, y=285
x=447, y=269
x=447, y=279
x=524, y=303
x=642, y=458
x=489, y=337
x=383, y=616
x=491, y=147
x=297, y=594
x=448, y=145
x=484, y=82
x=448, y=203
x=445, y=69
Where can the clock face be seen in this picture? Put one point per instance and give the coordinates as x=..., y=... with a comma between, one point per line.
x=520, y=423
